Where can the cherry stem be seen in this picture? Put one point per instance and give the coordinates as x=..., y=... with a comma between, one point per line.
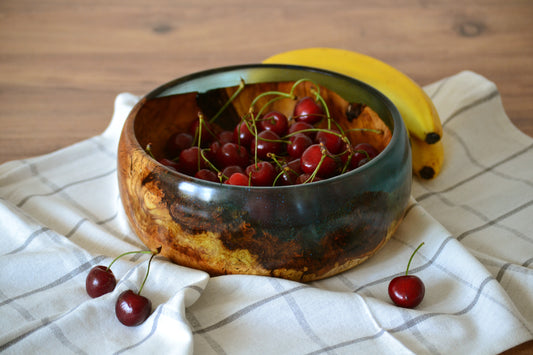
x=377, y=131
x=352, y=153
x=298, y=82
x=282, y=169
x=411, y=258
x=132, y=252
x=149, y=150
x=211, y=165
x=266, y=93
x=268, y=104
x=319, y=98
x=274, y=158
x=154, y=253
x=278, y=176
x=254, y=133
x=252, y=127
x=230, y=100
x=200, y=124
x=340, y=135
x=204, y=158
x=322, y=158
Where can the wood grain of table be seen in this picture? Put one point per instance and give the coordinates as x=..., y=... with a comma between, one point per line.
x=63, y=62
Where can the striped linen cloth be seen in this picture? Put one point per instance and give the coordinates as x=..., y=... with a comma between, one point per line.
x=60, y=214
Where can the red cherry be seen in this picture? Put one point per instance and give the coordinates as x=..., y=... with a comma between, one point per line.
x=316, y=157
x=206, y=174
x=178, y=142
x=132, y=309
x=407, y=291
x=306, y=178
x=357, y=159
x=232, y=169
x=298, y=144
x=371, y=152
x=347, y=158
x=308, y=110
x=261, y=174
x=290, y=171
x=169, y=163
x=267, y=142
x=100, y=280
x=231, y=154
x=237, y=179
x=332, y=141
x=211, y=153
x=191, y=161
x=207, y=132
x=274, y=121
x=225, y=137
x=307, y=128
x=359, y=155
x=242, y=134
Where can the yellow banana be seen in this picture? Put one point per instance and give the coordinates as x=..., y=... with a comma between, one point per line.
x=427, y=158
x=418, y=112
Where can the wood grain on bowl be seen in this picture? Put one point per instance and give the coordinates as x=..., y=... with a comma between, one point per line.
x=272, y=231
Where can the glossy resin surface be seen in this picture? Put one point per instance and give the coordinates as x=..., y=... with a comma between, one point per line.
x=302, y=232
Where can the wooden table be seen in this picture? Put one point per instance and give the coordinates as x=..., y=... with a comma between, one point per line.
x=63, y=62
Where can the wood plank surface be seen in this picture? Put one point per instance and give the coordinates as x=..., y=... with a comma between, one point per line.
x=63, y=62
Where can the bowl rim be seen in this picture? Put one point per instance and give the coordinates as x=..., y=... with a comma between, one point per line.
x=397, y=121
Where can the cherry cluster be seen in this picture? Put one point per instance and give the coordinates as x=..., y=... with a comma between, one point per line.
x=131, y=308
x=267, y=148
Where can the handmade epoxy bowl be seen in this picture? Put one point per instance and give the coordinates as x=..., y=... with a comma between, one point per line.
x=300, y=232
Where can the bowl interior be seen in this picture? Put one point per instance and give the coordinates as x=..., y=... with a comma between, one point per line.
x=174, y=106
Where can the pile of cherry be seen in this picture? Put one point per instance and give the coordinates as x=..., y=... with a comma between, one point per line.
x=267, y=148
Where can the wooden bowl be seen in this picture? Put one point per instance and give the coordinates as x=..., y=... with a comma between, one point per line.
x=301, y=232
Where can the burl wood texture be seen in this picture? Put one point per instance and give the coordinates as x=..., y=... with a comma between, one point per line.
x=244, y=231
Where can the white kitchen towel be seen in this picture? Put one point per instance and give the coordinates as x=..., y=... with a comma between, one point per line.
x=60, y=214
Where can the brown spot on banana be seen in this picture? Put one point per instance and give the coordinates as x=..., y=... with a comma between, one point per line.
x=432, y=138
x=427, y=158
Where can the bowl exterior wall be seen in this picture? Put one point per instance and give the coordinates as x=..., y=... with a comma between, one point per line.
x=302, y=233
